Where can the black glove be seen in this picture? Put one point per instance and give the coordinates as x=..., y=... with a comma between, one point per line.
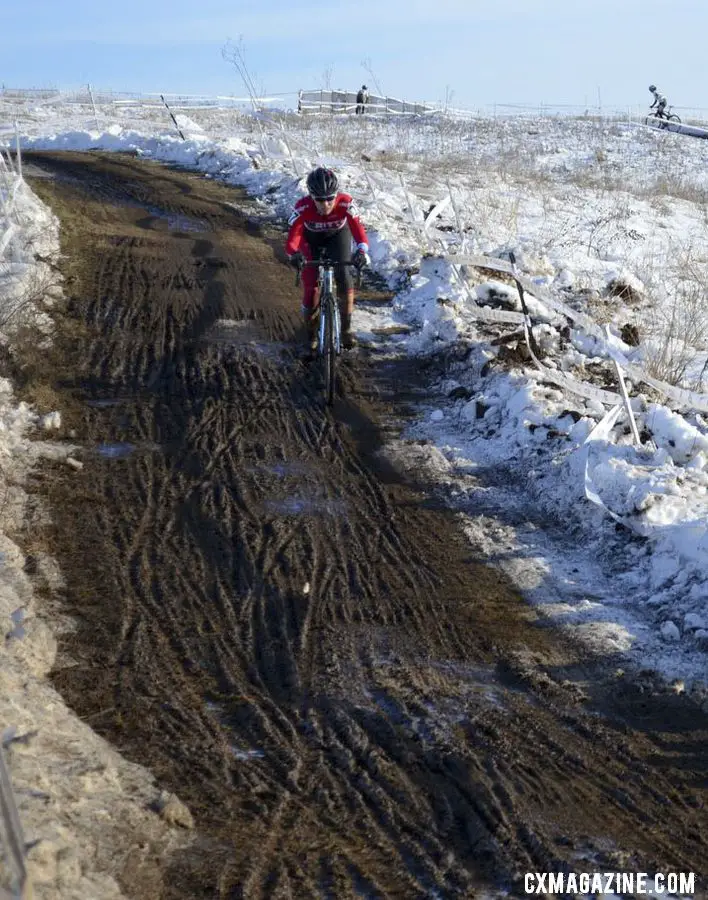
x=296, y=260
x=360, y=259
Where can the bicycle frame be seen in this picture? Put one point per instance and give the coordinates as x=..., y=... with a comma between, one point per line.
x=665, y=118
x=329, y=335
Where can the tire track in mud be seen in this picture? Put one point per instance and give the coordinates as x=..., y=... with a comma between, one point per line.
x=280, y=624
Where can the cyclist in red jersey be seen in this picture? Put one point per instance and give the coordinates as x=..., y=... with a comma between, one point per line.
x=324, y=224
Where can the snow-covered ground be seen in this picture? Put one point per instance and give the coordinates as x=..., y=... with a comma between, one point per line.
x=606, y=221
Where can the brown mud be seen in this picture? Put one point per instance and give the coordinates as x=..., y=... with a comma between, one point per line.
x=284, y=627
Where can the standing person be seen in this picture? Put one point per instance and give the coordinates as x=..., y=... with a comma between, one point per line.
x=362, y=98
x=324, y=223
x=659, y=102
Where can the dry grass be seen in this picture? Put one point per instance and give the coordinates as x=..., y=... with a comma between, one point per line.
x=678, y=330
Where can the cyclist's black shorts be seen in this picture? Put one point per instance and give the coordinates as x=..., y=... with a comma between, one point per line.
x=338, y=248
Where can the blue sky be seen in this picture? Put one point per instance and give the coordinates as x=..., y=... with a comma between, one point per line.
x=485, y=51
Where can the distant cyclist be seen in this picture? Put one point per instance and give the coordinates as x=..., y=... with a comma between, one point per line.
x=659, y=102
x=323, y=224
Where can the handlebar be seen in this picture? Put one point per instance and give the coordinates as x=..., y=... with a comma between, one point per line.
x=326, y=262
x=317, y=263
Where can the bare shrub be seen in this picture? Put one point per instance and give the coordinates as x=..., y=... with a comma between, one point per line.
x=24, y=297
x=23, y=305
x=678, y=331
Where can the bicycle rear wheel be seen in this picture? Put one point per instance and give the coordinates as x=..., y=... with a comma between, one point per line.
x=329, y=355
x=674, y=118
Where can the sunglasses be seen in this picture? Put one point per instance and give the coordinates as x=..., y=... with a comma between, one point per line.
x=324, y=199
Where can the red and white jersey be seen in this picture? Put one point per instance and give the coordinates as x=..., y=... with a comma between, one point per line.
x=307, y=220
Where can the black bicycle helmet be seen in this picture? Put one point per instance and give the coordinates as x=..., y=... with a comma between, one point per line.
x=652, y=88
x=321, y=183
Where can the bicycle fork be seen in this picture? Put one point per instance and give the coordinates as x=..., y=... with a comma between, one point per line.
x=330, y=308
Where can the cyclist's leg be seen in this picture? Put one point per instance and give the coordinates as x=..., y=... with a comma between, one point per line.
x=346, y=307
x=310, y=308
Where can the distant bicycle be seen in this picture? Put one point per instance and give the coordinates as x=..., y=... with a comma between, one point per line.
x=662, y=119
x=329, y=333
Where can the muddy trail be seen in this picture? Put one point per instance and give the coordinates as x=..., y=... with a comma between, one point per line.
x=284, y=627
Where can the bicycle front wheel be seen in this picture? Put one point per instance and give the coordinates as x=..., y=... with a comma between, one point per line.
x=329, y=356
